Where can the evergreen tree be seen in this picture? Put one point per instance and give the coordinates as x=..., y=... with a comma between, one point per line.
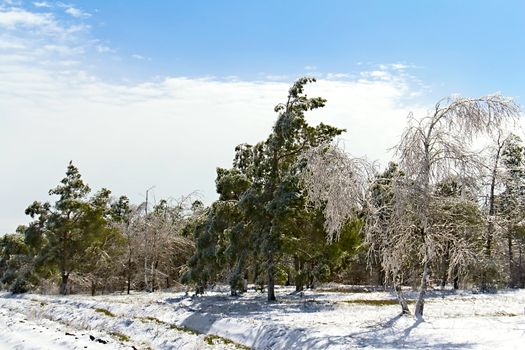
x=16, y=263
x=121, y=215
x=261, y=198
x=220, y=239
x=511, y=206
x=274, y=199
x=105, y=243
x=63, y=232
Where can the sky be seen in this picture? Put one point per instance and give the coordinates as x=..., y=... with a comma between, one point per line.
x=158, y=93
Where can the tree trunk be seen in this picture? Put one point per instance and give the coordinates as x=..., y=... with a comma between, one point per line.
x=245, y=284
x=492, y=212
x=311, y=282
x=422, y=291
x=444, y=280
x=288, y=279
x=488, y=247
x=511, y=261
x=520, y=265
x=271, y=281
x=446, y=264
x=401, y=298
x=299, y=278
x=63, y=284
x=380, y=277
x=299, y=287
x=152, y=276
x=129, y=276
x=146, y=274
x=93, y=288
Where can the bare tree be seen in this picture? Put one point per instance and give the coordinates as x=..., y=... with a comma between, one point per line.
x=494, y=180
x=129, y=223
x=436, y=147
x=418, y=225
x=163, y=241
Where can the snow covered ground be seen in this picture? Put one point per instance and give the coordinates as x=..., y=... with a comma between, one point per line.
x=313, y=320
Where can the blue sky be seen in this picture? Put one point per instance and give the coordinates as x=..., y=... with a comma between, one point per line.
x=471, y=47
x=159, y=93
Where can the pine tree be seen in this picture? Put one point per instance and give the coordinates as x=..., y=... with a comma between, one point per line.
x=261, y=198
x=16, y=261
x=512, y=205
x=62, y=232
x=274, y=198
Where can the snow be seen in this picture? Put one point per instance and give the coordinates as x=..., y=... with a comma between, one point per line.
x=309, y=320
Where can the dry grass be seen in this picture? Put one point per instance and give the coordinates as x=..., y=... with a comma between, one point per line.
x=104, y=312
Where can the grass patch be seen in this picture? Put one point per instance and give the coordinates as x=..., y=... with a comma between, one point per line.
x=170, y=325
x=376, y=302
x=213, y=339
x=104, y=312
x=504, y=313
x=122, y=337
x=152, y=319
x=183, y=329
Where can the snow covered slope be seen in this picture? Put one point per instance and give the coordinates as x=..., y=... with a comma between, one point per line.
x=313, y=320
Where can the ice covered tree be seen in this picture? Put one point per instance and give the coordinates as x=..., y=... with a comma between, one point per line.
x=431, y=149
x=122, y=216
x=337, y=183
x=100, y=261
x=163, y=241
x=274, y=197
x=459, y=199
x=256, y=220
x=220, y=241
x=490, y=268
x=511, y=205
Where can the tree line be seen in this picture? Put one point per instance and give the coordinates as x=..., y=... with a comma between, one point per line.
x=296, y=209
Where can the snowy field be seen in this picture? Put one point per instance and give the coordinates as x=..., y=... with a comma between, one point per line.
x=313, y=320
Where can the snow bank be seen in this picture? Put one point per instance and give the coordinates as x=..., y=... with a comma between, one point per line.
x=311, y=320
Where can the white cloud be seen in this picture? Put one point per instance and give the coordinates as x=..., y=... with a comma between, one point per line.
x=37, y=25
x=276, y=77
x=63, y=49
x=310, y=68
x=44, y=39
x=337, y=76
x=77, y=13
x=43, y=4
x=8, y=44
x=104, y=49
x=140, y=57
x=171, y=132
x=399, y=66
x=13, y=18
x=378, y=74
